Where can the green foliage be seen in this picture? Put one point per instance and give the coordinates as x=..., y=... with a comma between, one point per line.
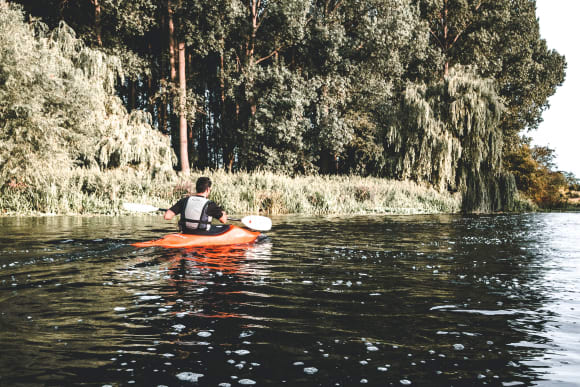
x=283, y=194
x=427, y=90
x=86, y=191
x=58, y=110
x=275, y=137
x=534, y=174
x=500, y=38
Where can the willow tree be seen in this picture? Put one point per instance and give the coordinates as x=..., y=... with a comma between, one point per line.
x=447, y=134
x=501, y=40
x=58, y=108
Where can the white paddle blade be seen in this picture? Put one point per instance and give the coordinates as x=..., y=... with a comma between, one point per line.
x=258, y=223
x=136, y=207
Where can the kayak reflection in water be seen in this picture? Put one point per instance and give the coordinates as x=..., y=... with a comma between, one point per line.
x=197, y=211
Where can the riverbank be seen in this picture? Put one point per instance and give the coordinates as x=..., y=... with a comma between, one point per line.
x=83, y=191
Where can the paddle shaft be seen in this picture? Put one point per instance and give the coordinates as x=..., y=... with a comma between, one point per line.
x=254, y=222
x=234, y=219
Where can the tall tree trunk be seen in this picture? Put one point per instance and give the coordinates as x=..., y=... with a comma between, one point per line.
x=98, y=27
x=445, y=37
x=132, y=94
x=183, y=143
x=224, y=139
x=162, y=104
x=173, y=125
x=171, y=28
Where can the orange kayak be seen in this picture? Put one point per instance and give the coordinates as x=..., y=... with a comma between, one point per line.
x=233, y=236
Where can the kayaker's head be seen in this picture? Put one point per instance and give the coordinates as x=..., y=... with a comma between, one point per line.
x=203, y=186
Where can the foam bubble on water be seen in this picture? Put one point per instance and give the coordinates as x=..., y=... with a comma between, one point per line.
x=382, y=369
x=178, y=327
x=298, y=363
x=189, y=377
x=119, y=309
x=204, y=334
x=310, y=370
x=242, y=352
x=247, y=382
x=364, y=381
x=458, y=347
x=224, y=385
x=372, y=348
x=246, y=334
x=405, y=382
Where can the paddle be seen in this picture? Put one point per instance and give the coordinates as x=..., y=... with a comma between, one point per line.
x=255, y=222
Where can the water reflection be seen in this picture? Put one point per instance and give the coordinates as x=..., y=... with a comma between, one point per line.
x=427, y=300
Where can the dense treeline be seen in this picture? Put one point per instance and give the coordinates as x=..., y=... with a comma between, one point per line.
x=536, y=176
x=435, y=91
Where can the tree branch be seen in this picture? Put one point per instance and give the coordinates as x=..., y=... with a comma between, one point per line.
x=276, y=51
x=436, y=38
x=467, y=26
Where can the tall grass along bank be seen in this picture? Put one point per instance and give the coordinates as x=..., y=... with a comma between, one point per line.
x=86, y=191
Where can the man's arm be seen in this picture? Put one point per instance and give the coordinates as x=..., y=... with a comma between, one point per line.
x=168, y=215
x=217, y=212
x=175, y=209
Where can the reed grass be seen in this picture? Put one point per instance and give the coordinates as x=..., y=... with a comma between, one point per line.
x=92, y=191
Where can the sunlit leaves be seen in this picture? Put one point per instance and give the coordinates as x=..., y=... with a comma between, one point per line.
x=58, y=109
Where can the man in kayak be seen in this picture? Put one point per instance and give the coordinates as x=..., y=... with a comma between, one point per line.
x=197, y=211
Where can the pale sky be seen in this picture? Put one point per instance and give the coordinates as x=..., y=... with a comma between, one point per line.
x=561, y=127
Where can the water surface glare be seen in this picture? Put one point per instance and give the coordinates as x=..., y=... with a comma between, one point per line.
x=336, y=301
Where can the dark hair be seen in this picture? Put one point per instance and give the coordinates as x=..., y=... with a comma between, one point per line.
x=202, y=184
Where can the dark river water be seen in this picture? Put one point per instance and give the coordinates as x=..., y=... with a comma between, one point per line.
x=377, y=300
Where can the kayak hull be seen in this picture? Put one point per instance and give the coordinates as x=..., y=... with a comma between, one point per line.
x=234, y=236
